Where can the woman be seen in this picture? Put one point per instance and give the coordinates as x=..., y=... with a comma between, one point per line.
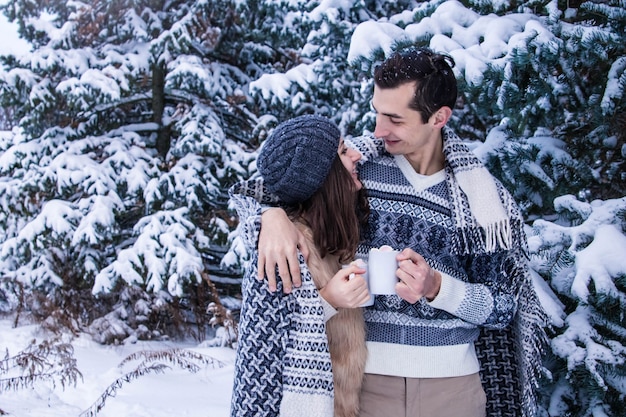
x=303, y=353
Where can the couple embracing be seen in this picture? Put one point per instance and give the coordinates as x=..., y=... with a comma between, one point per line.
x=463, y=333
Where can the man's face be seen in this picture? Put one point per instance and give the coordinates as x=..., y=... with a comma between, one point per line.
x=398, y=125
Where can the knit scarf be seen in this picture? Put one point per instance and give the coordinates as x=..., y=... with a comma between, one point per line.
x=484, y=226
x=487, y=220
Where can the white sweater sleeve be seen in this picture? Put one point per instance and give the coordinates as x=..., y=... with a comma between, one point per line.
x=470, y=302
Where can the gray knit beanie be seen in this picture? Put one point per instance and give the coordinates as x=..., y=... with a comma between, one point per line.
x=296, y=157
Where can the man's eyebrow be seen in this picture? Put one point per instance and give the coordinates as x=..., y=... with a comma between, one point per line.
x=392, y=115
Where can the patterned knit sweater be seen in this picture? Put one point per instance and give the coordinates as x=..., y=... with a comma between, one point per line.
x=485, y=285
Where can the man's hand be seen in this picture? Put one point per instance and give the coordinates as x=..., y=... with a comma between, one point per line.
x=279, y=241
x=417, y=278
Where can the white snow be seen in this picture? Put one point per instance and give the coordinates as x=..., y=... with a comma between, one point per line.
x=603, y=259
x=173, y=392
x=10, y=42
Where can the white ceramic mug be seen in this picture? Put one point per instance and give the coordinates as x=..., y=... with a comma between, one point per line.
x=382, y=266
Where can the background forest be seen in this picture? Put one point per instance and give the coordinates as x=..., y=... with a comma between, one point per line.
x=123, y=127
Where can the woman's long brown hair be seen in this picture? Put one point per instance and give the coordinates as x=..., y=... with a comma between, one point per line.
x=335, y=213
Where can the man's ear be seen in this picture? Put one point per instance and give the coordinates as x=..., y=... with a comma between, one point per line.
x=441, y=117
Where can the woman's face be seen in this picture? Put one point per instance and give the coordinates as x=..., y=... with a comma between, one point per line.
x=349, y=158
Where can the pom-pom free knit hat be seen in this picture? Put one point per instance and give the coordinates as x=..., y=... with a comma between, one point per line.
x=296, y=158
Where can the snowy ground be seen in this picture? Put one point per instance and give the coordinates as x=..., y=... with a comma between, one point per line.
x=175, y=392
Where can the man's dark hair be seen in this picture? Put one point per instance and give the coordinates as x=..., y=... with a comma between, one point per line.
x=432, y=72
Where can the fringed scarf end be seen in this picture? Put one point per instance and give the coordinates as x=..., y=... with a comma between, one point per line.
x=498, y=236
x=495, y=237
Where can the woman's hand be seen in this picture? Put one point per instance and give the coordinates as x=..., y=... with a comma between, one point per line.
x=347, y=288
x=279, y=241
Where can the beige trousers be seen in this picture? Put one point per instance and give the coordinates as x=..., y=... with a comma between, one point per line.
x=390, y=396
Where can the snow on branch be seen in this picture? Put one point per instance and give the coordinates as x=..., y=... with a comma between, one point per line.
x=153, y=362
x=49, y=360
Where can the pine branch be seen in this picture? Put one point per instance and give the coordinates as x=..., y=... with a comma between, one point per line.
x=50, y=361
x=182, y=358
x=111, y=390
x=564, y=260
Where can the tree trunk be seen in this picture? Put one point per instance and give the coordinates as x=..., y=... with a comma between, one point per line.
x=158, y=107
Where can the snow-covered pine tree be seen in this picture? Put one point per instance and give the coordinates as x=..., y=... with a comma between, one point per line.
x=134, y=119
x=581, y=255
x=576, y=89
x=595, y=56
x=321, y=79
x=573, y=84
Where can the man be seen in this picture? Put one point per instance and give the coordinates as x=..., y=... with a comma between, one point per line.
x=462, y=270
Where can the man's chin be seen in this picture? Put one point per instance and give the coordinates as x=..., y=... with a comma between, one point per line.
x=392, y=148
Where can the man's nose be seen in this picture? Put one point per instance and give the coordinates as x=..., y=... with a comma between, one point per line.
x=381, y=130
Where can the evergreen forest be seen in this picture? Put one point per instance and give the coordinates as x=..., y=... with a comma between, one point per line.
x=125, y=124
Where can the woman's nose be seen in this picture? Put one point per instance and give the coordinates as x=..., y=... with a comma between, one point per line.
x=354, y=155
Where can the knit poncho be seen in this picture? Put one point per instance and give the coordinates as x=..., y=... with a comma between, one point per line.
x=283, y=365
